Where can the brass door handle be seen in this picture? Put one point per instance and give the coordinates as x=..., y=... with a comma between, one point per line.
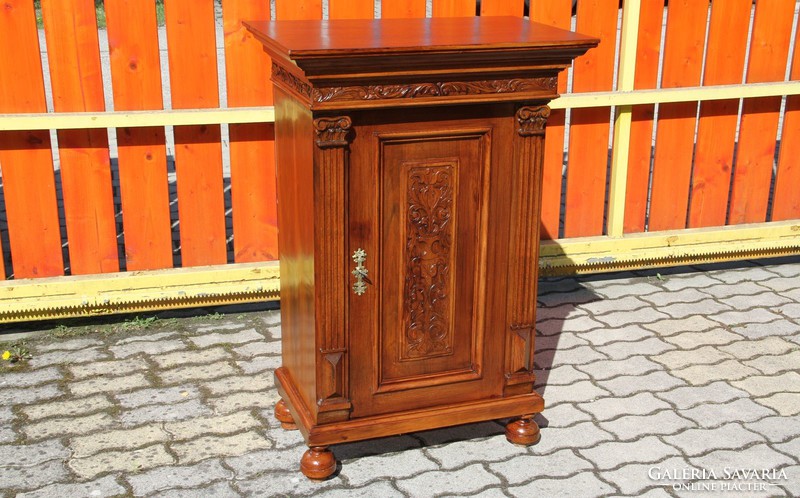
x=360, y=272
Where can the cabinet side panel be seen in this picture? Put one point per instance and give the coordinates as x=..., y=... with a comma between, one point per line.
x=295, y=181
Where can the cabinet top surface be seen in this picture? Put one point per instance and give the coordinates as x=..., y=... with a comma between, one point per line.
x=403, y=36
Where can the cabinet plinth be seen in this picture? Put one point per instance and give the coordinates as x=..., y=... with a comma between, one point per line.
x=409, y=162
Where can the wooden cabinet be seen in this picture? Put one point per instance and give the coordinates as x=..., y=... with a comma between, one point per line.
x=409, y=174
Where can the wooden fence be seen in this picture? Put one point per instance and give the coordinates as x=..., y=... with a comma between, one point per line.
x=700, y=99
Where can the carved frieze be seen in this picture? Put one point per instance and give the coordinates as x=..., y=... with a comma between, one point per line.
x=279, y=74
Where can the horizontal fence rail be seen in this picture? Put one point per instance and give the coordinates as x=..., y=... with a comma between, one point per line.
x=137, y=158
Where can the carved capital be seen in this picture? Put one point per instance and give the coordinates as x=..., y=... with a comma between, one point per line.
x=532, y=120
x=332, y=132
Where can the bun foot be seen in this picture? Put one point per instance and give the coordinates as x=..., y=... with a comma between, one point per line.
x=523, y=431
x=318, y=463
x=284, y=416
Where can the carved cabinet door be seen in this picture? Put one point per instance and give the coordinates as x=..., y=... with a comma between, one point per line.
x=427, y=220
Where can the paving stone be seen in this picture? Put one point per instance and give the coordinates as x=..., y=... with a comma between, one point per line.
x=672, y=326
x=676, y=282
x=714, y=415
x=460, y=433
x=682, y=296
x=578, y=295
x=275, y=331
x=67, y=407
x=283, y=439
x=361, y=471
x=695, y=442
x=630, y=333
x=625, y=385
x=220, y=326
x=108, y=384
x=759, y=456
x=164, y=412
x=164, y=478
x=108, y=367
x=145, y=337
x=635, y=365
x=621, y=350
x=580, y=435
x=205, y=447
x=758, y=315
x=29, y=455
x=6, y=415
x=580, y=392
x=249, y=335
x=623, y=318
x=461, y=453
x=434, y=483
x=765, y=300
x=705, y=355
x=762, y=385
x=562, y=285
x=791, y=448
x=255, y=463
x=699, y=375
x=633, y=478
x=181, y=358
x=683, y=310
x=576, y=324
x=635, y=426
x=776, y=428
x=575, y=356
x=149, y=348
x=196, y=373
x=36, y=476
x=693, y=340
x=7, y=434
x=559, y=376
x=127, y=461
x=157, y=395
x=105, y=486
x=67, y=357
x=781, y=284
x=68, y=345
x=782, y=327
x=562, y=341
x=724, y=291
x=258, y=348
x=688, y=397
x=217, y=490
x=562, y=415
x=602, y=306
x=83, y=446
x=380, y=489
x=635, y=289
x=27, y=379
x=257, y=382
x=522, y=469
x=393, y=444
x=291, y=484
x=29, y=395
x=586, y=482
x=792, y=310
x=752, y=274
x=786, y=404
x=746, y=349
x=225, y=424
x=243, y=400
x=259, y=364
x=60, y=427
x=612, y=454
x=613, y=407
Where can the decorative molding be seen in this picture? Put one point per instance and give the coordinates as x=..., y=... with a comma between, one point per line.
x=282, y=75
x=532, y=120
x=428, y=253
x=436, y=89
x=332, y=131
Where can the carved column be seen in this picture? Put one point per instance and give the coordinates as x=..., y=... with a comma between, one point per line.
x=523, y=258
x=331, y=269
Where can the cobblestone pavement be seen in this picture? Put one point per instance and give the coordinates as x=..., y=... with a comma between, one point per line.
x=645, y=376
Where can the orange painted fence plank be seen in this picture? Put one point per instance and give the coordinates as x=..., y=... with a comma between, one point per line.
x=198, y=150
x=786, y=205
x=453, y=8
x=769, y=50
x=298, y=9
x=253, y=193
x=393, y=9
x=142, y=153
x=556, y=13
x=683, y=59
x=502, y=7
x=25, y=158
x=711, y=180
x=589, y=132
x=74, y=57
x=640, y=151
x=351, y=9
